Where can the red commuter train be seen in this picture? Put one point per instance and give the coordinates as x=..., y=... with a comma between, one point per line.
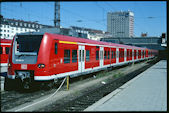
x=5, y=45
x=48, y=57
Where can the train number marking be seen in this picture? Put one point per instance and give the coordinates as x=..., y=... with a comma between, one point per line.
x=23, y=66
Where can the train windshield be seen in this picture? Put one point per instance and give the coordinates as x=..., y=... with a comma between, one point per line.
x=28, y=44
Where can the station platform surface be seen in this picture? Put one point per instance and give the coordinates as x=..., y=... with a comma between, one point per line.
x=3, y=73
x=145, y=92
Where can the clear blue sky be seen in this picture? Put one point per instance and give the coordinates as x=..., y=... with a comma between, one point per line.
x=149, y=16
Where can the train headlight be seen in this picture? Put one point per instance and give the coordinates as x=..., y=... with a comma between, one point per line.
x=41, y=65
x=9, y=64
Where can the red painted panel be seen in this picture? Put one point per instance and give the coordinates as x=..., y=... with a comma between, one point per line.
x=128, y=54
x=4, y=56
x=4, y=43
x=113, y=58
x=146, y=53
x=135, y=54
x=143, y=54
x=92, y=62
x=57, y=65
x=121, y=55
x=107, y=58
x=139, y=54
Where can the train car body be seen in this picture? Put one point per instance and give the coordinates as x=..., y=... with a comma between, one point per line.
x=5, y=45
x=47, y=57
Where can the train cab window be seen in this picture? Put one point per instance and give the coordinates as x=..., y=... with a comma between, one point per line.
x=66, y=56
x=74, y=55
x=105, y=53
x=56, y=48
x=108, y=55
x=87, y=55
x=28, y=43
x=7, y=50
x=0, y=50
x=97, y=55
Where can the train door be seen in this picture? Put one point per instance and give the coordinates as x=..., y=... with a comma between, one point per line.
x=117, y=55
x=81, y=61
x=125, y=54
x=101, y=56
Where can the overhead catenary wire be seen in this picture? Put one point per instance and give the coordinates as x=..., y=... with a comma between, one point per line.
x=83, y=17
x=111, y=7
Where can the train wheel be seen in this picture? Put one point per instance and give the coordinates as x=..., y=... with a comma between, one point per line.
x=23, y=85
x=26, y=84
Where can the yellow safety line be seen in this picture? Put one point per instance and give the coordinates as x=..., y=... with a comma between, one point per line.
x=67, y=42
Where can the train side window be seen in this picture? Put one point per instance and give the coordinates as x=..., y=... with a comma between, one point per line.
x=127, y=53
x=134, y=53
x=56, y=48
x=130, y=53
x=79, y=55
x=112, y=54
x=7, y=50
x=66, y=56
x=82, y=55
x=87, y=55
x=74, y=55
x=108, y=54
x=97, y=55
x=0, y=50
x=105, y=52
x=121, y=54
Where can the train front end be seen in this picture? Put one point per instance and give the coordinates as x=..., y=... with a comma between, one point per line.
x=24, y=63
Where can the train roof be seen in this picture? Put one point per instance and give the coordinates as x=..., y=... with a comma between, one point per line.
x=82, y=40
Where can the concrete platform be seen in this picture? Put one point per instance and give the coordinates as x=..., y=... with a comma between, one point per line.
x=2, y=83
x=146, y=92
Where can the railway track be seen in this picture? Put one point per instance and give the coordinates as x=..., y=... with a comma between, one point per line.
x=11, y=99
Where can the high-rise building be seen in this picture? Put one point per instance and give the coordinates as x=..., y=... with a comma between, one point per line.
x=120, y=24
